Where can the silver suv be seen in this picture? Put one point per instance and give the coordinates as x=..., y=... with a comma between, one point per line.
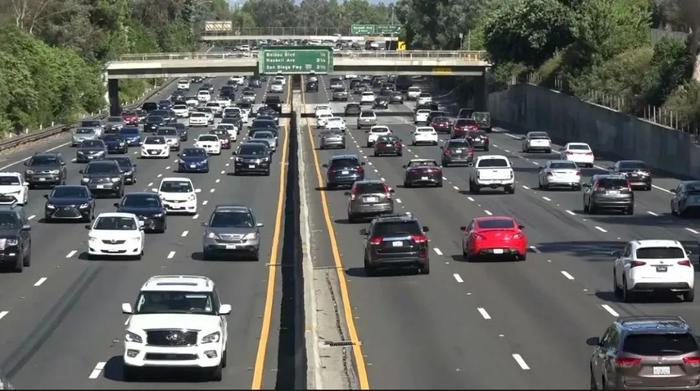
x=231, y=229
x=369, y=198
x=366, y=119
x=172, y=137
x=82, y=134
x=658, y=352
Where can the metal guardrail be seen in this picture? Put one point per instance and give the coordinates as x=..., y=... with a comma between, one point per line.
x=298, y=30
x=16, y=141
x=470, y=55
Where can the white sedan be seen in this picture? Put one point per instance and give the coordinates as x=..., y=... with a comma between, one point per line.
x=336, y=123
x=323, y=110
x=181, y=111
x=210, y=143
x=421, y=116
x=116, y=234
x=237, y=79
x=322, y=119
x=425, y=135
x=375, y=132
x=367, y=97
x=199, y=119
x=579, y=153
x=155, y=146
x=178, y=195
x=13, y=188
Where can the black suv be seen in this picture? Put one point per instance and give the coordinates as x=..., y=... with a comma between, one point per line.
x=104, y=176
x=152, y=123
x=311, y=86
x=15, y=233
x=69, y=202
x=645, y=352
x=148, y=207
x=90, y=150
x=127, y=167
x=275, y=102
x=45, y=169
x=115, y=143
x=252, y=158
x=344, y=170
x=396, y=241
x=636, y=172
x=608, y=191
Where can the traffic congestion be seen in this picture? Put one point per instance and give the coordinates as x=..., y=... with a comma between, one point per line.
x=455, y=239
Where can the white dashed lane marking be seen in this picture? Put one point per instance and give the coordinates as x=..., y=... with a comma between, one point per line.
x=483, y=313
x=31, y=217
x=567, y=275
x=218, y=180
x=662, y=189
x=41, y=281
x=458, y=278
x=195, y=216
x=171, y=255
x=159, y=175
x=70, y=254
x=652, y=213
x=398, y=200
x=470, y=199
x=184, y=233
x=570, y=212
x=437, y=251
x=212, y=190
x=610, y=310
x=525, y=187
x=488, y=212
x=223, y=171
x=455, y=187
x=204, y=202
x=149, y=184
x=519, y=359
x=600, y=229
x=546, y=198
x=167, y=168
x=691, y=230
x=98, y=369
x=3, y=314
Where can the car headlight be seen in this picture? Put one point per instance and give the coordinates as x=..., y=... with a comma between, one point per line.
x=212, y=235
x=192, y=197
x=250, y=236
x=30, y=172
x=213, y=337
x=266, y=159
x=157, y=215
x=181, y=161
x=99, y=152
x=53, y=172
x=92, y=238
x=238, y=159
x=129, y=173
x=84, y=205
x=49, y=206
x=132, y=337
x=12, y=241
x=115, y=180
x=85, y=180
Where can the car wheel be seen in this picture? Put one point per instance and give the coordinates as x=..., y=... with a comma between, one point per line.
x=425, y=269
x=406, y=184
x=369, y=269
x=616, y=289
x=592, y=209
x=630, y=210
x=439, y=184
x=510, y=189
x=689, y=296
x=130, y=373
x=627, y=295
x=224, y=359
x=351, y=218
x=215, y=374
x=27, y=261
x=522, y=257
x=594, y=385
x=206, y=254
x=486, y=149
x=19, y=265
x=474, y=188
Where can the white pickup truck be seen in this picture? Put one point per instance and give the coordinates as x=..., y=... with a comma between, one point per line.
x=492, y=171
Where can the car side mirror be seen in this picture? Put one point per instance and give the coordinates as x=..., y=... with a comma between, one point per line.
x=26, y=227
x=80, y=172
x=126, y=309
x=615, y=253
x=142, y=225
x=46, y=196
x=521, y=226
x=426, y=228
x=116, y=204
x=392, y=191
x=224, y=309
x=364, y=232
x=463, y=228
x=593, y=341
x=87, y=226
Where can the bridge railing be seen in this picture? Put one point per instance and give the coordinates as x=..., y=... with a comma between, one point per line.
x=467, y=55
x=298, y=30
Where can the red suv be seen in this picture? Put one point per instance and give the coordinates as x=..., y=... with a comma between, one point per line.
x=462, y=126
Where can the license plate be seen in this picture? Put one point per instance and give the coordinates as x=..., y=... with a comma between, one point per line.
x=397, y=243
x=613, y=192
x=193, y=165
x=662, y=370
x=345, y=172
x=661, y=269
x=100, y=186
x=458, y=151
x=498, y=251
x=251, y=166
x=371, y=199
x=424, y=178
x=42, y=179
x=231, y=246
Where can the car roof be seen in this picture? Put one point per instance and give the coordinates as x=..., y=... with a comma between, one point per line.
x=561, y=161
x=656, y=243
x=140, y=193
x=577, y=143
x=395, y=218
x=346, y=156
x=116, y=214
x=421, y=160
x=653, y=324
x=187, y=283
x=176, y=178
x=232, y=208
x=611, y=176
x=492, y=218
x=492, y=157
x=10, y=174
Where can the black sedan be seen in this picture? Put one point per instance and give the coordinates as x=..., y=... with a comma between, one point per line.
x=127, y=167
x=396, y=97
x=69, y=202
x=381, y=102
x=116, y=143
x=636, y=172
x=90, y=150
x=148, y=207
x=193, y=160
x=422, y=172
x=152, y=123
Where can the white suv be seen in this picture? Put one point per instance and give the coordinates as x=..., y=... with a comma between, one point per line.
x=178, y=195
x=375, y=132
x=177, y=321
x=651, y=266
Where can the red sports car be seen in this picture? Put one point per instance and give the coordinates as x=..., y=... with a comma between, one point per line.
x=130, y=118
x=494, y=235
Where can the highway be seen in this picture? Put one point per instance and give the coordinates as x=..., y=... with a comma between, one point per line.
x=60, y=320
x=520, y=325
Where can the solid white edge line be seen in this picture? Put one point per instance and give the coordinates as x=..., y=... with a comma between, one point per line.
x=662, y=189
x=70, y=254
x=3, y=314
x=600, y=229
x=567, y=275
x=525, y=187
x=41, y=281
x=483, y=313
x=98, y=369
x=519, y=359
x=398, y=200
x=458, y=278
x=610, y=310
x=437, y=251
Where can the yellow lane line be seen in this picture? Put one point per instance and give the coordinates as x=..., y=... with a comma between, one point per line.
x=272, y=268
x=345, y=296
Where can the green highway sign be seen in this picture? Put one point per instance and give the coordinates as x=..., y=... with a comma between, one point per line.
x=372, y=29
x=295, y=60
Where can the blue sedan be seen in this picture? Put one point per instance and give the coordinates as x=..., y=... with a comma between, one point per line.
x=193, y=160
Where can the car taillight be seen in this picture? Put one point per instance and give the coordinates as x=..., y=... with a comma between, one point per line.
x=550, y=174
x=375, y=240
x=471, y=151
x=517, y=236
x=693, y=361
x=569, y=153
x=684, y=262
x=479, y=237
x=419, y=239
x=589, y=153
x=627, y=362
x=332, y=170
x=447, y=152
x=578, y=173
x=596, y=187
x=398, y=144
x=360, y=169
x=353, y=196
x=629, y=186
x=637, y=263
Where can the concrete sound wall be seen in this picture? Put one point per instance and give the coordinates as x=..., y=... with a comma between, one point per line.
x=524, y=108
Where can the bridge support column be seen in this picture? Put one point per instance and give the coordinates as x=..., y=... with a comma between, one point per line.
x=113, y=94
x=481, y=97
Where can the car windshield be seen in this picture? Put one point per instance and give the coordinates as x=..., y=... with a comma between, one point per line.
x=167, y=132
x=441, y=119
x=171, y=302
x=116, y=223
x=42, y=160
x=176, y=187
x=580, y=147
x=481, y=117
x=70, y=192
x=130, y=131
x=425, y=130
x=90, y=124
x=141, y=201
x=84, y=131
x=251, y=149
x=9, y=220
x=493, y=163
x=208, y=138
x=459, y=144
x=223, y=219
x=564, y=165
x=263, y=135
x=371, y=187
x=387, y=139
x=422, y=163
x=660, y=252
x=633, y=166
x=465, y=122
x=102, y=168
x=190, y=152
x=612, y=183
x=344, y=162
x=115, y=119
x=154, y=119
x=8, y=180
x=379, y=130
x=92, y=144
x=538, y=136
x=496, y=224
x=154, y=140
x=113, y=137
x=396, y=228
x=659, y=344
x=123, y=162
x=180, y=107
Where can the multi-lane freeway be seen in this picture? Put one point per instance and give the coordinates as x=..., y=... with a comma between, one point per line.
x=464, y=325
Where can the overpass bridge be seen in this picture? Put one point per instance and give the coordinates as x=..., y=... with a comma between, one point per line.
x=219, y=38
x=372, y=62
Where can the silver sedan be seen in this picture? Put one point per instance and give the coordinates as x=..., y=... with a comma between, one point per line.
x=559, y=173
x=332, y=138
